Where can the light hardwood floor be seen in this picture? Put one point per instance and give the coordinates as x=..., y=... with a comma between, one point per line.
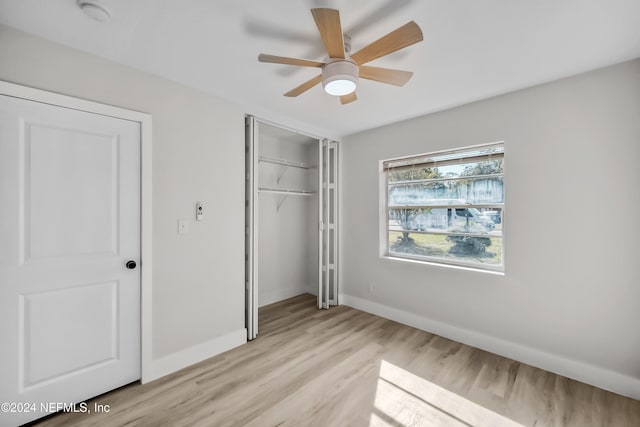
x=344, y=367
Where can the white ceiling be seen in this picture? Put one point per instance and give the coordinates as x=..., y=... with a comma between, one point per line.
x=473, y=49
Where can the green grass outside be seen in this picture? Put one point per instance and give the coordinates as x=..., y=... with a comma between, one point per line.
x=437, y=245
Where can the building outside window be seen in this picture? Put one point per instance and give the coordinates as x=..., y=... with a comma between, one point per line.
x=447, y=207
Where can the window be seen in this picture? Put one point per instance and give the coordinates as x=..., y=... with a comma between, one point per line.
x=447, y=207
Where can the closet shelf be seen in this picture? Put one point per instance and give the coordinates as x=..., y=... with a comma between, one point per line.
x=285, y=191
x=284, y=162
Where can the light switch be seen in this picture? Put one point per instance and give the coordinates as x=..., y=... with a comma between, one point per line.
x=183, y=226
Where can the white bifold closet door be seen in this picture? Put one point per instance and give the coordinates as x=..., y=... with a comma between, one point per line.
x=328, y=227
x=251, y=228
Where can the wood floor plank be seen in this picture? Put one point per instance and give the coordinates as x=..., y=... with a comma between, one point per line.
x=343, y=367
x=309, y=398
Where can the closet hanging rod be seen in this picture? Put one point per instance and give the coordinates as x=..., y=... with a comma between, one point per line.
x=284, y=162
x=285, y=191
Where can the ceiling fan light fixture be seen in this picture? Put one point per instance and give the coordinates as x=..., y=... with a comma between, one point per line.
x=340, y=77
x=342, y=70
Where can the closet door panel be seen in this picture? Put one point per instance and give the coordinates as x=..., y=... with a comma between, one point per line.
x=328, y=229
x=251, y=237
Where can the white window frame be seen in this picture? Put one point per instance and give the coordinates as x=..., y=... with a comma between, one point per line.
x=429, y=260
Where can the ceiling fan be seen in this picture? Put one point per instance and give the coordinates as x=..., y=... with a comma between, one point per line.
x=341, y=71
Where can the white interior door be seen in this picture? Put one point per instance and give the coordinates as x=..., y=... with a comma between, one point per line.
x=69, y=223
x=328, y=229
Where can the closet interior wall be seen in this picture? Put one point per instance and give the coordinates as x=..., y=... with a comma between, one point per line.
x=287, y=214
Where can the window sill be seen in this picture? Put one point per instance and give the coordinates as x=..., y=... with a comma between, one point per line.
x=441, y=264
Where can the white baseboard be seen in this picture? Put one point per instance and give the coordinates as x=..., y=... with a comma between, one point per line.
x=266, y=298
x=580, y=371
x=181, y=359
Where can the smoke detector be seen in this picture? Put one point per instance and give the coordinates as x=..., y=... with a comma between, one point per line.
x=95, y=10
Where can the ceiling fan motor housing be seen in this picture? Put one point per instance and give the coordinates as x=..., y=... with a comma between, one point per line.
x=340, y=77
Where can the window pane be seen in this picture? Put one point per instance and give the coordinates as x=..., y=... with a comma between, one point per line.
x=484, y=250
x=447, y=205
x=491, y=167
x=447, y=220
x=488, y=190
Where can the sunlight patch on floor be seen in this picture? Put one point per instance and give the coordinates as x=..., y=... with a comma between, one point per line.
x=405, y=399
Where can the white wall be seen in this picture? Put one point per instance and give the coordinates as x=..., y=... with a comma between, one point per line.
x=570, y=298
x=286, y=241
x=198, y=155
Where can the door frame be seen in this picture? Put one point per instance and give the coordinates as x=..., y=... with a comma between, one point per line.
x=146, y=270
x=252, y=142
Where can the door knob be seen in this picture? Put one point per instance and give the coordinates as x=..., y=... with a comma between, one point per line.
x=131, y=264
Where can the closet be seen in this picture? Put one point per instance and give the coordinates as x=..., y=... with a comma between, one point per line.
x=291, y=217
